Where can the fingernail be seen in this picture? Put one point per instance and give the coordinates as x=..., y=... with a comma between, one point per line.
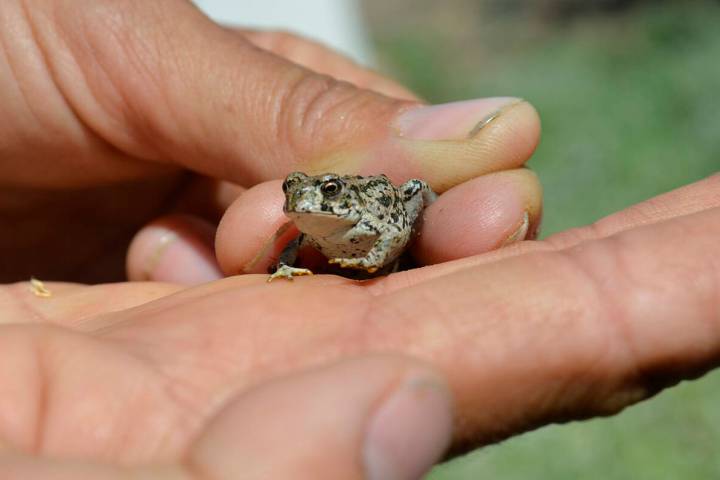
x=520, y=233
x=409, y=432
x=451, y=121
x=175, y=258
x=161, y=240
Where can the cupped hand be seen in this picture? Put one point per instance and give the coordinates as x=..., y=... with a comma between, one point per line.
x=118, y=113
x=582, y=324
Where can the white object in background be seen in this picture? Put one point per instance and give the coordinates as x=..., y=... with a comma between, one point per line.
x=337, y=23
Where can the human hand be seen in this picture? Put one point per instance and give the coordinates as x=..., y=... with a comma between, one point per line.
x=108, y=106
x=582, y=324
x=391, y=419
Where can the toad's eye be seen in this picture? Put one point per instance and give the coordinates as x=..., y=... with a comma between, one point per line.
x=331, y=188
x=285, y=186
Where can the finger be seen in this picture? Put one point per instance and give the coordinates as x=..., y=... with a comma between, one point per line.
x=174, y=249
x=564, y=335
x=483, y=214
x=318, y=57
x=187, y=92
x=693, y=198
x=686, y=200
x=251, y=233
x=371, y=418
x=471, y=218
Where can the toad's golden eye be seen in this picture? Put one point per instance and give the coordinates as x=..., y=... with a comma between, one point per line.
x=331, y=188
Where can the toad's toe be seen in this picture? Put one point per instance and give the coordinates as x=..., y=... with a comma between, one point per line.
x=285, y=271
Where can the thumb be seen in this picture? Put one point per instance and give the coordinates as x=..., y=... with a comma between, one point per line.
x=372, y=418
x=160, y=81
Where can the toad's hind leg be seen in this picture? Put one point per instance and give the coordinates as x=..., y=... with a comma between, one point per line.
x=383, y=251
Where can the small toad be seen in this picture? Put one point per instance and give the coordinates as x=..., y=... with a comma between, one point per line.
x=361, y=223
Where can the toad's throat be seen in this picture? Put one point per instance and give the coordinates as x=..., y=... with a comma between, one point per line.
x=322, y=224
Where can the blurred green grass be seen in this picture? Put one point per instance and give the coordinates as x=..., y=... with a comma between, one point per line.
x=630, y=104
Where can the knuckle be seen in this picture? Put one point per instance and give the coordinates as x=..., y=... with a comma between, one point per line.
x=305, y=109
x=317, y=114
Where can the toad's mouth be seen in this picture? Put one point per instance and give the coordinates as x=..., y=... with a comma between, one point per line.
x=298, y=212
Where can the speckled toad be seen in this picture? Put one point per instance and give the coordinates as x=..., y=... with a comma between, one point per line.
x=362, y=223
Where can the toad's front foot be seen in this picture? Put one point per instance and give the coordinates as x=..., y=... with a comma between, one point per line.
x=286, y=271
x=355, y=263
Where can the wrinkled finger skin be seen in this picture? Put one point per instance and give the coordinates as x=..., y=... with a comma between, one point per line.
x=578, y=326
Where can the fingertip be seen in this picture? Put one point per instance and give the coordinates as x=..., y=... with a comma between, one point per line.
x=175, y=249
x=480, y=215
x=504, y=139
x=452, y=143
x=247, y=238
x=396, y=422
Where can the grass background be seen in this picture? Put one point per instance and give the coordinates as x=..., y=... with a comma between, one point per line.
x=629, y=99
